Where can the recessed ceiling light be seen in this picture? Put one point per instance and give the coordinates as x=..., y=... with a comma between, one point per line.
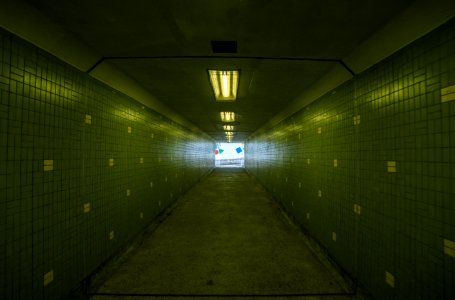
x=224, y=84
x=227, y=116
x=229, y=133
x=229, y=138
x=228, y=127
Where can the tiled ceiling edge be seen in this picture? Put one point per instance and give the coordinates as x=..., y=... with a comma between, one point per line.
x=413, y=23
x=417, y=20
x=112, y=76
x=38, y=29
x=31, y=25
x=331, y=80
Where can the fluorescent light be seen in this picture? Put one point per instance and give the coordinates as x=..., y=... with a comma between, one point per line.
x=229, y=136
x=227, y=116
x=228, y=127
x=215, y=85
x=235, y=83
x=224, y=84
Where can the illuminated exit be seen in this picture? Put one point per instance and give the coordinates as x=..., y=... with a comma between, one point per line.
x=229, y=155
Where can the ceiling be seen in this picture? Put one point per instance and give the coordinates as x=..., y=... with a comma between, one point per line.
x=165, y=46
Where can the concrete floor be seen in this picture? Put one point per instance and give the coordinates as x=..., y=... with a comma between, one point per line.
x=229, y=239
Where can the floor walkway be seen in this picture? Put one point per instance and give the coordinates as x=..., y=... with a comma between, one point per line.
x=226, y=237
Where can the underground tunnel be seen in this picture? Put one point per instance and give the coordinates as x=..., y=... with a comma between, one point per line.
x=238, y=149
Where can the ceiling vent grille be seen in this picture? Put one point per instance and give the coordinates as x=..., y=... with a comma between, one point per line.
x=224, y=46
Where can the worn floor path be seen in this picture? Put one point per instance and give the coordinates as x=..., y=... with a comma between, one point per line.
x=226, y=237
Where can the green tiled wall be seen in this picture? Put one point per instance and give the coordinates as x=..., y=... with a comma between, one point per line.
x=45, y=110
x=406, y=212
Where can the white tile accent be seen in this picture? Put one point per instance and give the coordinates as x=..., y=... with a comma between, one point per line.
x=88, y=119
x=391, y=166
x=357, y=209
x=87, y=207
x=389, y=279
x=448, y=93
x=48, y=165
x=48, y=277
x=449, y=247
x=356, y=120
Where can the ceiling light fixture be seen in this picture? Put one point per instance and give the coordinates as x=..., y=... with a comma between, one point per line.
x=227, y=116
x=229, y=133
x=229, y=138
x=224, y=84
x=228, y=127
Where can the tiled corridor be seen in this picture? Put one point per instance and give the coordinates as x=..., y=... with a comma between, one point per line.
x=116, y=116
